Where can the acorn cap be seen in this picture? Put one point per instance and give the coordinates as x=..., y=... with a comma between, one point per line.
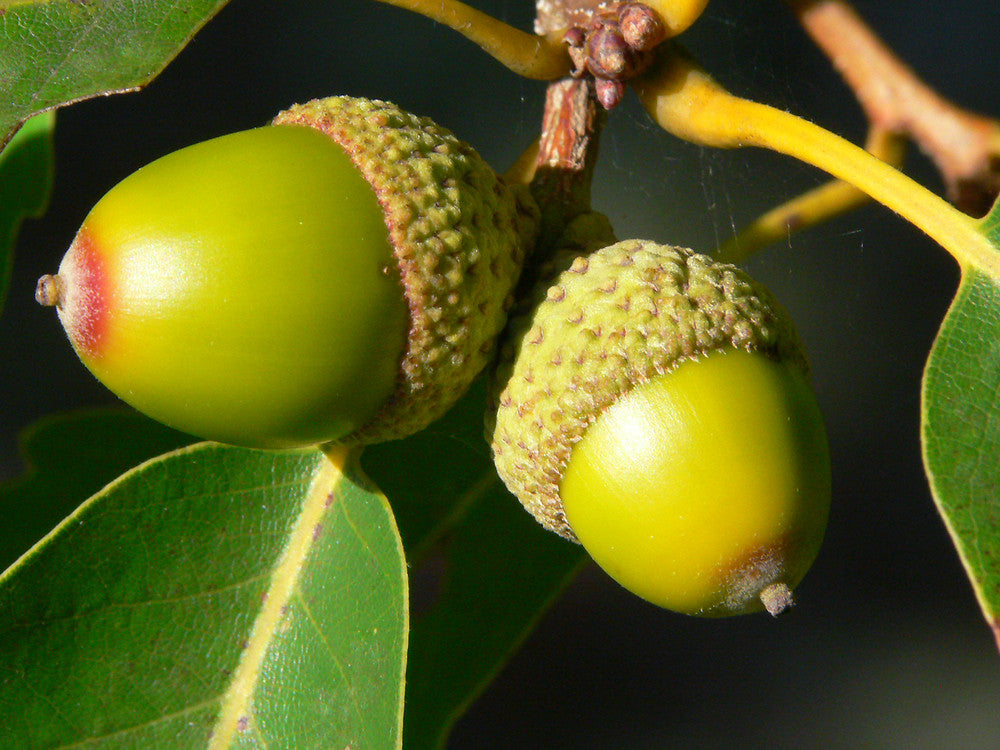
x=459, y=235
x=609, y=321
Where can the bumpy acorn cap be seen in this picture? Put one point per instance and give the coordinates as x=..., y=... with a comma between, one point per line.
x=459, y=234
x=609, y=321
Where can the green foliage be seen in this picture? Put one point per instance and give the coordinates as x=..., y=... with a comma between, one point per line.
x=961, y=430
x=484, y=571
x=69, y=458
x=209, y=593
x=25, y=182
x=214, y=590
x=58, y=51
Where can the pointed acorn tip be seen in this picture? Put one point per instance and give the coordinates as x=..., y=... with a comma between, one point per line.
x=777, y=598
x=47, y=293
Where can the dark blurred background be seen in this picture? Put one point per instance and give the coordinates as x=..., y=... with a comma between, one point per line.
x=887, y=648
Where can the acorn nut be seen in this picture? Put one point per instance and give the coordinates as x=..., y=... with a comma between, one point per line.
x=338, y=275
x=655, y=406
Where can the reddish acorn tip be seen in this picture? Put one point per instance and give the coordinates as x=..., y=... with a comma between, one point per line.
x=47, y=292
x=777, y=598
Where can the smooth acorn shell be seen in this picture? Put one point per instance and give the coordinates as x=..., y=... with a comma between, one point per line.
x=242, y=289
x=338, y=276
x=654, y=405
x=702, y=487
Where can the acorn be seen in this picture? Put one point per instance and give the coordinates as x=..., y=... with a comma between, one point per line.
x=339, y=275
x=655, y=406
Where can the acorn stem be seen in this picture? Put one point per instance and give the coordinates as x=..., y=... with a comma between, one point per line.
x=777, y=598
x=48, y=292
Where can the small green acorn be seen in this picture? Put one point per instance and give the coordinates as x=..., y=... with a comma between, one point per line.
x=654, y=405
x=339, y=275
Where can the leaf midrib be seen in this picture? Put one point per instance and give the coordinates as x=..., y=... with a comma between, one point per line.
x=238, y=698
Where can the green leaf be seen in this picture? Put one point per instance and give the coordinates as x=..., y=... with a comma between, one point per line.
x=497, y=572
x=213, y=597
x=26, y=167
x=53, y=52
x=484, y=572
x=961, y=427
x=990, y=224
x=69, y=457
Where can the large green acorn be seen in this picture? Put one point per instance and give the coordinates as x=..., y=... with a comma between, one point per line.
x=338, y=275
x=655, y=406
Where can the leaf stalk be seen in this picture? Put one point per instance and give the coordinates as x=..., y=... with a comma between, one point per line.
x=687, y=102
x=541, y=58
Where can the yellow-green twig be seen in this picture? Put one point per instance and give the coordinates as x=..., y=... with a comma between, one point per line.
x=687, y=102
x=812, y=207
x=523, y=170
x=541, y=58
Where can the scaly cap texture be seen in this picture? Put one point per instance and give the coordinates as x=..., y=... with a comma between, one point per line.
x=609, y=321
x=459, y=233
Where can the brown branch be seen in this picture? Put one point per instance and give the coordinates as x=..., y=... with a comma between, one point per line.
x=571, y=126
x=566, y=155
x=964, y=146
